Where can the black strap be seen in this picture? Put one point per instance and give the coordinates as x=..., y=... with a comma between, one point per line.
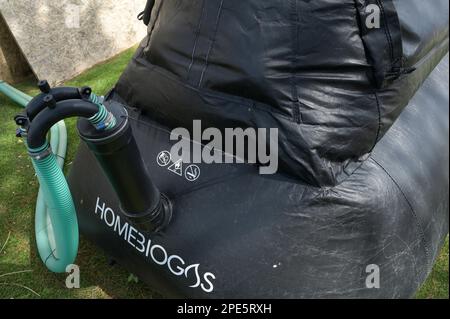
x=147, y=13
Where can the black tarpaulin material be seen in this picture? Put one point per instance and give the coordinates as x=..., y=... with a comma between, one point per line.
x=363, y=137
x=310, y=68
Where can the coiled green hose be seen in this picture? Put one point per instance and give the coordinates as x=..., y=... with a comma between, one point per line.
x=56, y=225
x=45, y=238
x=60, y=210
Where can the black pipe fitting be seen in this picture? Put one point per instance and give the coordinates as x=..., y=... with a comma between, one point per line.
x=119, y=156
x=141, y=202
x=49, y=101
x=37, y=104
x=21, y=120
x=43, y=122
x=85, y=92
x=44, y=87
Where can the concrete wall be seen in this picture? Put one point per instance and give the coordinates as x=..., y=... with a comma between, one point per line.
x=13, y=66
x=62, y=38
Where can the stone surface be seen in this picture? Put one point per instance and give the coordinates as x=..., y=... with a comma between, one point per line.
x=13, y=66
x=60, y=39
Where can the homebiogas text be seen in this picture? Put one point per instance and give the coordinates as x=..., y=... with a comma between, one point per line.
x=156, y=253
x=230, y=145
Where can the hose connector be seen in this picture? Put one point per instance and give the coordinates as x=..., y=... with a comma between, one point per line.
x=41, y=152
x=104, y=120
x=23, y=123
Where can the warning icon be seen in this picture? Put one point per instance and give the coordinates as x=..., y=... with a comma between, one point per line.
x=192, y=173
x=177, y=167
x=164, y=158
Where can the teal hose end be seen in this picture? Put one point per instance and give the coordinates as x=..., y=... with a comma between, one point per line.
x=14, y=94
x=103, y=120
x=57, y=234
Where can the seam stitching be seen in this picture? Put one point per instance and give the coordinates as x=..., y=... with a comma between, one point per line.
x=197, y=36
x=387, y=31
x=216, y=27
x=267, y=108
x=295, y=42
x=413, y=213
x=377, y=137
x=150, y=33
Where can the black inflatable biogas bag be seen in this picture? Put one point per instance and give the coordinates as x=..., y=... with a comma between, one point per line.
x=362, y=119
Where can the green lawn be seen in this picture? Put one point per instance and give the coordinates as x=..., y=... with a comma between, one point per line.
x=21, y=272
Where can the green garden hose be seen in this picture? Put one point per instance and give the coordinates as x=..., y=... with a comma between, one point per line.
x=56, y=224
x=57, y=230
x=14, y=94
x=45, y=237
x=60, y=209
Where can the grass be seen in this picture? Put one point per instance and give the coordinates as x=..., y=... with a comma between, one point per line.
x=22, y=274
x=18, y=190
x=437, y=284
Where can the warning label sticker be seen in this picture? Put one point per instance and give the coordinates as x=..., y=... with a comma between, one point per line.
x=191, y=173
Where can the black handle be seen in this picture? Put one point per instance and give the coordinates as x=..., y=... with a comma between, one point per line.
x=147, y=13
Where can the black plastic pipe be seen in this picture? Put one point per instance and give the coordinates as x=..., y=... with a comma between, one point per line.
x=37, y=104
x=121, y=160
x=116, y=151
x=42, y=123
